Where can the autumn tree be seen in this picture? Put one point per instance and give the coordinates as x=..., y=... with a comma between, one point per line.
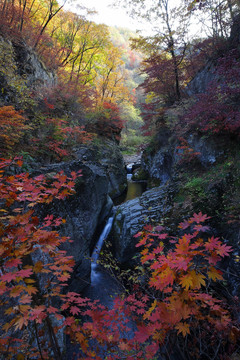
x=110, y=83
x=33, y=268
x=216, y=111
x=90, y=41
x=215, y=17
x=169, y=34
x=12, y=127
x=20, y=14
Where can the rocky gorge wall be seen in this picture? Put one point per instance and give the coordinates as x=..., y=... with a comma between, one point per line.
x=103, y=169
x=21, y=70
x=209, y=182
x=103, y=178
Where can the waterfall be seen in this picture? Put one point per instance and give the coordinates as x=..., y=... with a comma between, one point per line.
x=129, y=171
x=97, y=249
x=129, y=168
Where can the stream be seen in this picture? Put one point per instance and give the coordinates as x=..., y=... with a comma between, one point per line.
x=105, y=287
x=134, y=189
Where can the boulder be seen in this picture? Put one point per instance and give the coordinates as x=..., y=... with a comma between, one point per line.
x=131, y=217
x=106, y=155
x=159, y=165
x=210, y=148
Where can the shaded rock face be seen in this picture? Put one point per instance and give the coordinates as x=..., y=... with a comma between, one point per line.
x=130, y=219
x=202, y=80
x=158, y=163
x=20, y=71
x=82, y=212
x=161, y=164
x=87, y=209
x=30, y=66
x=106, y=155
x=210, y=149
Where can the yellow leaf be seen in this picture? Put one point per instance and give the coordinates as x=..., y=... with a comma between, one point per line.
x=29, y=281
x=198, y=279
x=183, y=328
x=16, y=290
x=148, y=313
x=38, y=267
x=20, y=163
x=214, y=274
x=20, y=322
x=31, y=290
x=186, y=281
x=9, y=311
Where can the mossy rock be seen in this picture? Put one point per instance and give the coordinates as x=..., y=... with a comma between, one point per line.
x=140, y=175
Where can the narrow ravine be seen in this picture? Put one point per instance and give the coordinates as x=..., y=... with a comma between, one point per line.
x=104, y=287
x=134, y=188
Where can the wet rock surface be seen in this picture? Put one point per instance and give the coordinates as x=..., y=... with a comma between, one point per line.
x=82, y=212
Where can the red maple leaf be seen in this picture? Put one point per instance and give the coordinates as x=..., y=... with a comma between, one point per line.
x=24, y=273
x=201, y=228
x=184, y=225
x=74, y=310
x=224, y=250
x=13, y=263
x=198, y=218
x=38, y=313
x=8, y=277
x=142, y=334
x=213, y=243
x=52, y=310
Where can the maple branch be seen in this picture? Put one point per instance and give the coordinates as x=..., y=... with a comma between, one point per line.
x=216, y=352
x=228, y=272
x=38, y=343
x=53, y=340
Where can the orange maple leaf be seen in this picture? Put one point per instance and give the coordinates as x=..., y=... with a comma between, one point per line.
x=183, y=328
x=214, y=274
x=20, y=322
x=198, y=279
x=187, y=281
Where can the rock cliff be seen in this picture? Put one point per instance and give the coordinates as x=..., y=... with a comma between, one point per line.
x=101, y=162
x=21, y=70
x=209, y=182
x=103, y=177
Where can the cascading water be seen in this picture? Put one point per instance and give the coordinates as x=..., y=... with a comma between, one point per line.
x=97, y=249
x=103, y=286
x=129, y=171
